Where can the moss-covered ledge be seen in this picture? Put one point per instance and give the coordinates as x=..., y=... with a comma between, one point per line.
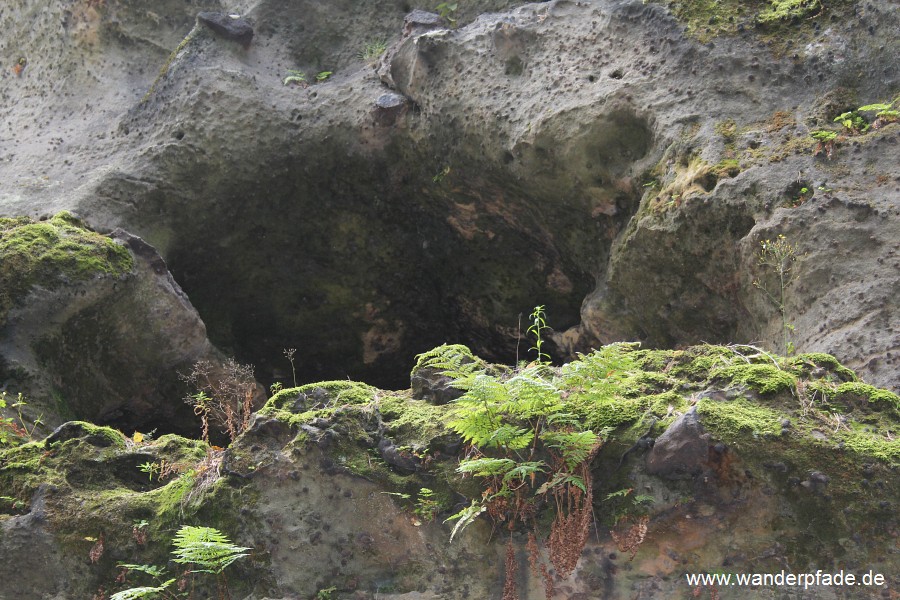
x=796, y=446
x=52, y=253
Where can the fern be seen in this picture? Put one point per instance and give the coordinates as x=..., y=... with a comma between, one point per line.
x=142, y=592
x=531, y=397
x=525, y=470
x=562, y=479
x=575, y=447
x=452, y=360
x=151, y=570
x=205, y=547
x=486, y=467
x=510, y=437
x=465, y=517
x=600, y=373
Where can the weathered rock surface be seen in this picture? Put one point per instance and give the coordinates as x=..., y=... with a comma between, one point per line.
x=321, y=510
x=589, y=156
x=97, y=345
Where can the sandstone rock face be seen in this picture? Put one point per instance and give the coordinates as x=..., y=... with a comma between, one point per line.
x=109, y=348
x=617, y=161
x=586, y=156
x=325, y=490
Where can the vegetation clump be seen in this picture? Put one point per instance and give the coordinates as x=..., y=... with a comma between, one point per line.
x=788, y=10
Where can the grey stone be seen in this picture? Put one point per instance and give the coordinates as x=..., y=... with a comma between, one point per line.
x=682, y=451
x=429, y=385
x=230, y=27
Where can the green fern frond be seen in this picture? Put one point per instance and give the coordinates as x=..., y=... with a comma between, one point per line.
x=486, y=467
x=455, y=361
x=524, y=470
x=601, y=371
x=575, y=447
x=510, y=438
x=563, y=418
x=151, y=570
x=476, y=425
x=465, y=517
x=562, y=479
x=141, y=592
x=205, y=547
x=531, y=397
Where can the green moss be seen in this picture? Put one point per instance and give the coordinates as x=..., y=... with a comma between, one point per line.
x=342, y=392
x=736, y=420
x=53, y=253
x=765, y=379
x=807, y=363
x=776, y=22
x=282, y=400
x=92, y=435
x=659, y=404
x=695, y=364
x=320, y=400
x=872, y=444
x=727, y=129
x=656, y=360
x=877, y=399
x=164, y=69
x=788, y=10
x=598, y=412
x=412, y=422
x=727, y=167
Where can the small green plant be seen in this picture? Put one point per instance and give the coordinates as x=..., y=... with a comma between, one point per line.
x=289, y=353
x=852, y=121
x=884, y=113
x=139, y=530
x=803, y=195
x=447, y=10
x=294, y=77
x=161, y=469
x=426, y=506
x=8, y=503
x=150, y=468
x=323, y=76
x=439, y=176
x=537, y=328
x=201, y=549
x=275, y=388
x=826, y=141
x=778, y=258
x=11, y=428
x=325, y=594
x=373, y=50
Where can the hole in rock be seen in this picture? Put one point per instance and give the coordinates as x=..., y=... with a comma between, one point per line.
x=361, y=262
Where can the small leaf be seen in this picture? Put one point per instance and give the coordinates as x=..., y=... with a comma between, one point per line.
x=465, y=517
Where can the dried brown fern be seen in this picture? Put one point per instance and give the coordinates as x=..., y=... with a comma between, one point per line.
x=570, y=529
x=510, y=591
x=632, y=536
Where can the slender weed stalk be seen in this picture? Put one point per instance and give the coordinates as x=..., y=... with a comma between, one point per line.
x=778, y=258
